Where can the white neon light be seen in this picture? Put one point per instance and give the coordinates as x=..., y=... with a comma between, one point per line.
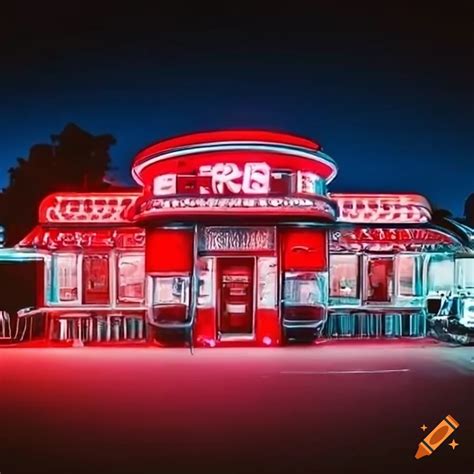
x=402, y=209
x=226, y=146
x=253, y=179
x=233, y=203
x=88, y=208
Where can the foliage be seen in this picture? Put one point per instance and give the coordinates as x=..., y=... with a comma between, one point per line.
x=75, y=160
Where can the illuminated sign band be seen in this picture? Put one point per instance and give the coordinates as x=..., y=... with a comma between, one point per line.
x=283, y=205
x=395, y=209
x=315, y=156
x=390, y=239
x=231, y=179
x=89, y=208
x=238, y=238
x=56, y=239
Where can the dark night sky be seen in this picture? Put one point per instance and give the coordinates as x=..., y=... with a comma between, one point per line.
x=389, y=95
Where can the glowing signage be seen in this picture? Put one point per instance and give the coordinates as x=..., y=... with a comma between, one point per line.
x=284, y=205
x=238, y=238
x=188, y=153
x=54, y=239
x=375, y=238
x=253, y=178
x=87, y=208
x=387, y=208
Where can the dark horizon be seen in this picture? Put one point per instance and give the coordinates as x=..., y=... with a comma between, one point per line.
x=389, y=96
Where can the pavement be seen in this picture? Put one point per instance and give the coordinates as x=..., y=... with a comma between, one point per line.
x=339, y=406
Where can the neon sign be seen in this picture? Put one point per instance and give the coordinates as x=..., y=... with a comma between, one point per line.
x=254, y=178
x=227, y=204
x=90, y=208
x=54, y=239
x=375, y=238
x=382, y=208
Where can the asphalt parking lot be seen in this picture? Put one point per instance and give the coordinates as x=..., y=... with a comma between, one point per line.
x=335, y=407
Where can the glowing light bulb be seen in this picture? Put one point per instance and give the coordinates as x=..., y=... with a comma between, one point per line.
x=267, y=340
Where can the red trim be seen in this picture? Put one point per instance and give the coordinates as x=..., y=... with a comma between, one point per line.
x=225, y=136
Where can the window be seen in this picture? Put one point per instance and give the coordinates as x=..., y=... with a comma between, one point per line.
x=465, y=273
x=169, y=290
x=206, y=283
x=305, y=288
x=440, y=273
x=131, y=278
x=409, y=275
x=171, y=299
x=64, y=284
x=267, y=282
x=95, y=270
x=344, y=275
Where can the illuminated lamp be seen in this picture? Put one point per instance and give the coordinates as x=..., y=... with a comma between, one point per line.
x=267, y=341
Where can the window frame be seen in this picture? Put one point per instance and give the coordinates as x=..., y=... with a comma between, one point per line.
x=429, y=291
x=459, y=272
x=53, y=287
x=339, y=299
x=117, y=301
x=321, y=276
x=417, y=272
x=366, y=282
x=110, y=282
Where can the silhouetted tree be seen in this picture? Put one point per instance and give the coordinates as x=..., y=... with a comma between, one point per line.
x=469, y=210
x=74, y=161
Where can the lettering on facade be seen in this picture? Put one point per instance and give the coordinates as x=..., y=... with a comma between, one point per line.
x=316, y=205
x=55, y=239
x=389, y=239
x=242, y=238
x=353, y=209
x=102, y=209
x=253, y=178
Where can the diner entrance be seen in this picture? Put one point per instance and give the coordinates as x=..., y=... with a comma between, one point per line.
x=235, y=297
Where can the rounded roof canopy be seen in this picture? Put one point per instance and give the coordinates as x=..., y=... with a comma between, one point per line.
x=280, y=146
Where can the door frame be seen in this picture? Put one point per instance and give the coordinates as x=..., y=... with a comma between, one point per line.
x=382, y=256
x=218, y=285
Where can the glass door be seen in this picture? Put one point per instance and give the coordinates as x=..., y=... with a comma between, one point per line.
x=235, y=296
x=379, y=279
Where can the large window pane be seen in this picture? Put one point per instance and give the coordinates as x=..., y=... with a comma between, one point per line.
x=409, y=275
x=440, y=273
x=465, y=273
x=131, y=278
x=305, y=288
x=64, y=287
x=171, y=299
x=170, y=290
x=344, y=276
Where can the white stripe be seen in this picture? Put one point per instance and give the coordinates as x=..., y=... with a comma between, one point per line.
x=336, y=372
